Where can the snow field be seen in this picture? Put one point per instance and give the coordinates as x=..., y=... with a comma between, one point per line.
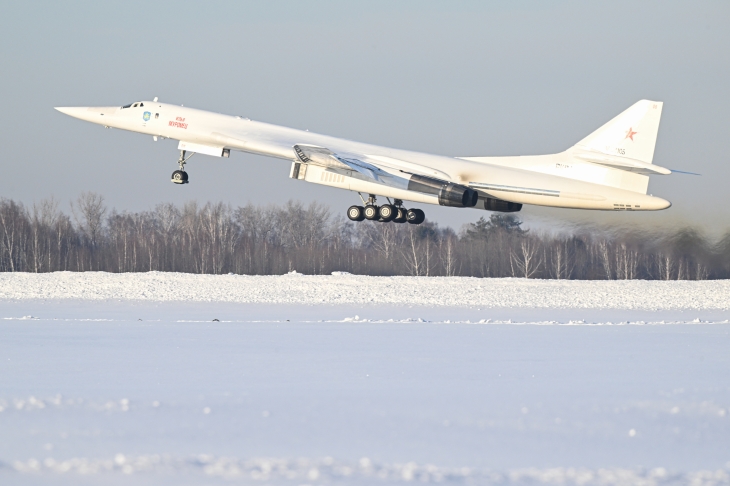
x=329, y=471
x=173, y=379
x=347, y=289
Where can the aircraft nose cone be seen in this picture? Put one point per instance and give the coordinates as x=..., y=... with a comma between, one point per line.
x=74, y=111
x=93, y=114
x=80, y=112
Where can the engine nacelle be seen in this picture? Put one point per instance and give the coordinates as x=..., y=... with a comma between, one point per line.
x=449, y=193
x=458, y=195
x=491, y=204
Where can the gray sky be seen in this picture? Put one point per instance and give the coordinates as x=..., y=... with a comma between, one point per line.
x=455, y=78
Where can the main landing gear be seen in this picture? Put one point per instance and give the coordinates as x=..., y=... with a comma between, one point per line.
x=385, y=213
x=180, y=176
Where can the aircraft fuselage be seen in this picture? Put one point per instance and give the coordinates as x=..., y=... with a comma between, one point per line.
x=558, y=180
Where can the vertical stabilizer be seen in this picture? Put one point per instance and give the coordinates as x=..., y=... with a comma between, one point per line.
x=631, y=134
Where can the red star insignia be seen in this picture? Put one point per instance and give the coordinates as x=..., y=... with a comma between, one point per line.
x=630, y=134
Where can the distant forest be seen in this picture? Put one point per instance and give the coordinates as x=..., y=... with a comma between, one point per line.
x=269, y=240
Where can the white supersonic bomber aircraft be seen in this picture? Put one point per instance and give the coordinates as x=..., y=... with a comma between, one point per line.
x=607, y=170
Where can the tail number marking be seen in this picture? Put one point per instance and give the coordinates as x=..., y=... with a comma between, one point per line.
x=618, y=150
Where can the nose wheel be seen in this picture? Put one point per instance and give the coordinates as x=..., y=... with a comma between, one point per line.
x=385, y=213
x=180, y=176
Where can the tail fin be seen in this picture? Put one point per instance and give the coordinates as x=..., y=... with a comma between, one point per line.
x=631, y=134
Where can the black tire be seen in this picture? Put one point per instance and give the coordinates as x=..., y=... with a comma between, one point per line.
x=421, y=216
x=387, y=212
x=371, y=212
x=356, y=213
x=415, y=216
x=179, y=177
x=400, y=215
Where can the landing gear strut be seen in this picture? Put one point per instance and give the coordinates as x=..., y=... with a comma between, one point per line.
x=394, y=212
x=180, y=176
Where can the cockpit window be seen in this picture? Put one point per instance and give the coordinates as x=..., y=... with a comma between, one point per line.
x=133, y=105
x=127, y=106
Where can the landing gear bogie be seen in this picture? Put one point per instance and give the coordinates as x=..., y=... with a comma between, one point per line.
x=386, y=213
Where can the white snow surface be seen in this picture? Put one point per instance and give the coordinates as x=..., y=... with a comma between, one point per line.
x=301, y=471
x=344, y=288
x=177, y=379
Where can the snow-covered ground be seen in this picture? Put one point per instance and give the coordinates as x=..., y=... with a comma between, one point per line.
x=344, y=288
x=182, y=379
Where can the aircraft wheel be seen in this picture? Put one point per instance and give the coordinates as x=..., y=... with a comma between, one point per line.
x=400, y=216
x=387, y=212
x=356, y=213
x=415, y=216
x=371, y=212
x=180, y=177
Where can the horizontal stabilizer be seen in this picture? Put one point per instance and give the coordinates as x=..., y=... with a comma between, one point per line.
x=683, y=172
x=623, y=163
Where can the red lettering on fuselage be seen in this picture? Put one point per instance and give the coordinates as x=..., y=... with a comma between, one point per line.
x=179, y=124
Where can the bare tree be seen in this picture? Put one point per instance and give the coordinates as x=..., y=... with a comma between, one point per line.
x=385, y=239
x=561, y=259
x=666, y=265
x=49, y=217
x=604, y=254
x=701, y=272
x=168, y=218
x=14, y=221
x=412, y=253
x=525, y=259
x=88, y=211
x=449, y=255
x=627, y=262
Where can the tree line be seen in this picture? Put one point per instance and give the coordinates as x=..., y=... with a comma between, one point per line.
x=216, y=238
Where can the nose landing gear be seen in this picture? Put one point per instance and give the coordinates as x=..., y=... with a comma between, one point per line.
x=385, y=213
x=180, y=176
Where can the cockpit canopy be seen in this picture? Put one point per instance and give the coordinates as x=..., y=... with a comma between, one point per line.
x=138, y=104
